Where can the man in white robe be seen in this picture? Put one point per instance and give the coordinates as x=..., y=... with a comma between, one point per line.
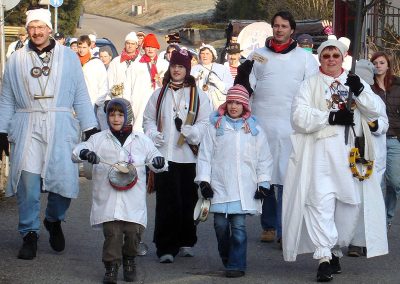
x=44, y=105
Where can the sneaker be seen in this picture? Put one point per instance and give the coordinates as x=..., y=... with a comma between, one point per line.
x=324, y=273
x=354, y=251
x=186, y=252
x=29, y=246
x=268, y=235
x=335, y=265
x=234, y=273
x=167, y=258
x=142, y=249
x=57, y=241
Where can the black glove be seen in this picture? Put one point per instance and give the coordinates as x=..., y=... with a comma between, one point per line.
x=341, y=117
x=90, y=132
x=105, y=105
x=89, y=156
x=373, y=125
x=4, y=146
x=158, y=162
x=354, y=83
x=206, y=190
x=243, y=73
x=261, y=192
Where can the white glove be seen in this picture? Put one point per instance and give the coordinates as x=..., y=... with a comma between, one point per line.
x=191, y=133
x=158, y=139
x=213, y=79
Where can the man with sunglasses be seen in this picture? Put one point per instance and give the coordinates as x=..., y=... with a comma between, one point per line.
x=44, y=105
x=279, y=68
x=324, y=197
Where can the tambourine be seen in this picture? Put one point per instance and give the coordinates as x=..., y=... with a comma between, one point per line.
x=123, y=181
x=201, y=210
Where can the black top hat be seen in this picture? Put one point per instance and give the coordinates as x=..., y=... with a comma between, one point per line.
x=233, y=48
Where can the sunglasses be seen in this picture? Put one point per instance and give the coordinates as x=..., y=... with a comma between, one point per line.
x=327, y=56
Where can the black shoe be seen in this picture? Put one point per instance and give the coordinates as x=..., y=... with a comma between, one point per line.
x=324, y=273
x=111, y=275
x=129, y=266
x=335, y=265
x=354, y=251
x=29, y=246
x=57, y=241
x=234, y=273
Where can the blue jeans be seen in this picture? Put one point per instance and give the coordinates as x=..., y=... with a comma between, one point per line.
x=271, y=217
x=392, y=176
x=28, y=199
x=232, y=239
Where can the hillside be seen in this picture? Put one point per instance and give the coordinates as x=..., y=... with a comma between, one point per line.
x=162, y=15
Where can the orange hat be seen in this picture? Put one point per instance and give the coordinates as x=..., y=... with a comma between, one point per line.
x=150, y=40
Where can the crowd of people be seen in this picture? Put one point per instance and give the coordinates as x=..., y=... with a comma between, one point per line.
x=313, y=147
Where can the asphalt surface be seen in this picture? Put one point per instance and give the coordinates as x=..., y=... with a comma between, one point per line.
x=81, y=260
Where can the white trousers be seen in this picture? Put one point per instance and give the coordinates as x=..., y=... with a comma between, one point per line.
x=330, y=225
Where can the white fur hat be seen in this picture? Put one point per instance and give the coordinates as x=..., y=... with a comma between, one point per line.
x=211, y=48
x=132, y=37
x=43, y=15
x=345, y=41
x=332, y=42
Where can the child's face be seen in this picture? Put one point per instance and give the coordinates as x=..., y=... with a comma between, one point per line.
x=116, y=120
x=235, y=109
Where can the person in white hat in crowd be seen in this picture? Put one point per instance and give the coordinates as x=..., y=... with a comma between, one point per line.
x=95, y=77
x=119, y=65
x=323, y=195
x=365, y=69
x=119, y=208
x=73, y=44
x=105, y=55
x=44, y=105
x=235, y=187
x=165, y=122
x=21, y=42
x=94, y=50
x=279, y=68
x=212, y=77
x=387, y=86
x=233, y=54
x=143, y=77
x=347, y=58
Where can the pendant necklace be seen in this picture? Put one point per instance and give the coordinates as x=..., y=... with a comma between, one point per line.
x=180, y=94
x=36, y=72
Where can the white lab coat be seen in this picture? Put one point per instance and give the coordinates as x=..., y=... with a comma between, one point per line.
x=109, y=204
x=234, y=163
x=116, y=71
x=138, y=88
x=312, y=141
x=275, y=82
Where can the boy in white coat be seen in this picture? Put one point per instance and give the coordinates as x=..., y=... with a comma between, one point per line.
x=231, y=185
x=121, y=213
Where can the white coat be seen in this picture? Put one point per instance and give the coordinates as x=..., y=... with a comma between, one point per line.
x=138, y=88
x=109, y=204
x=275, y=82
x=312, y=131
x=216, y=95
x=234, y=163
x=116, y=71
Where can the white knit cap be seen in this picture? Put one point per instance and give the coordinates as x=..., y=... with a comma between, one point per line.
x=345, y=41
x=92, y=37
x=43, y=15
x=132, y=37
x=211, y=48
x=332, y=42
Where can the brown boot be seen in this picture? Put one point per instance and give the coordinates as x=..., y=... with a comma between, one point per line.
x=129, y=266
x=268, y=235
x=111, y=275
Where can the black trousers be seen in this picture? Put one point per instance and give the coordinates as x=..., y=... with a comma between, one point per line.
x=176, y=197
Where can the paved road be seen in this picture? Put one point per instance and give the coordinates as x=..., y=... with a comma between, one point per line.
x=81, y=261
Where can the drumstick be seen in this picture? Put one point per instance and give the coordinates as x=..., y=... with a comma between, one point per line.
x=189, y=121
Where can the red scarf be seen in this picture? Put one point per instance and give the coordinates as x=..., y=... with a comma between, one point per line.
x=84, y=59
x=153, y=69
x=126, y=57
x=279, y=47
